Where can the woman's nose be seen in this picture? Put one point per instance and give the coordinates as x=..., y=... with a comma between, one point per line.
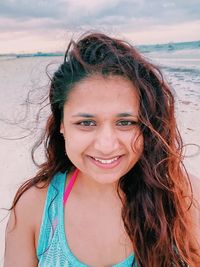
x=106, y=140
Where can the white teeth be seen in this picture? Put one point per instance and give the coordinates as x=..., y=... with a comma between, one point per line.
x=108, y=161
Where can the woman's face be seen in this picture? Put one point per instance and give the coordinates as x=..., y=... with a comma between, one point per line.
x=100, y=127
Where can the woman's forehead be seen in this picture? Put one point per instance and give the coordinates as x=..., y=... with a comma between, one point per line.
x=99, y=95
x=103, y=90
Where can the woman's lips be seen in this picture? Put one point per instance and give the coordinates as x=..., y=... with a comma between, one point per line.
x=106, y=163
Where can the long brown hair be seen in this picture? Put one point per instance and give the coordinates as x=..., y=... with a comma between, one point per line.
x=158, y=195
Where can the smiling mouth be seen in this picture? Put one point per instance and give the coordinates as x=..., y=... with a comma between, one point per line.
x=106, y=161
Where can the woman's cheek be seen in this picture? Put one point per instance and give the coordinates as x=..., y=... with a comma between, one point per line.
x=138, y=143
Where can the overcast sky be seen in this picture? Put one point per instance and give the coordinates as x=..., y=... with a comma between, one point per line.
x=47, y=25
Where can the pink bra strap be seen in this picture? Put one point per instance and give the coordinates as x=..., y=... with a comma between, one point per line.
x=69, y=187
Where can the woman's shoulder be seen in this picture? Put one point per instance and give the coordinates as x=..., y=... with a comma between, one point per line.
x=29, y=208
x=34, y=196
x=30, y=202
x=33, y=199
x=23, y=226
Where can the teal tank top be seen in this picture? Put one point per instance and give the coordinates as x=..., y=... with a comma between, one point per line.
x=53, y=249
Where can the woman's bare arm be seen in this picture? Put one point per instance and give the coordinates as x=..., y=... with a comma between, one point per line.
x=20, y=245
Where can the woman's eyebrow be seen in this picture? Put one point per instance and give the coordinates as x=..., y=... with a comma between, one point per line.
x=125, y=114
x=87, y=115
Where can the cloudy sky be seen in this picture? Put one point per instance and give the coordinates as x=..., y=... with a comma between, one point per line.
x=47, y=25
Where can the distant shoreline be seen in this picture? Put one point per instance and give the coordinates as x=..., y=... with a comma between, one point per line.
x=38, y=54
x=169, y=47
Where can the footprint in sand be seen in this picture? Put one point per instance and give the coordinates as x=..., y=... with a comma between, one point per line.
x=186, y=102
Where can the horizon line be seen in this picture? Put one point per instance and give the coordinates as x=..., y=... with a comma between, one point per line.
x=60, y=53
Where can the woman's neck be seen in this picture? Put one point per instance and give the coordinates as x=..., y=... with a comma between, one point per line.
x=91, y=189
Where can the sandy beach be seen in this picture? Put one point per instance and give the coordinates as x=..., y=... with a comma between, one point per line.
x=18, y=76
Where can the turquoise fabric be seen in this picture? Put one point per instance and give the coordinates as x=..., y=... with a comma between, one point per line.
x=53, y=250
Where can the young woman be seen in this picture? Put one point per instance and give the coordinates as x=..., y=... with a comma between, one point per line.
x=113, y=190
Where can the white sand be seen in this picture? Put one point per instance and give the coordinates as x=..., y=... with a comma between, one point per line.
x=20, y=75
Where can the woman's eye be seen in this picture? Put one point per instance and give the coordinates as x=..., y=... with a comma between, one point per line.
x=86, y=123
x=126, y=123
